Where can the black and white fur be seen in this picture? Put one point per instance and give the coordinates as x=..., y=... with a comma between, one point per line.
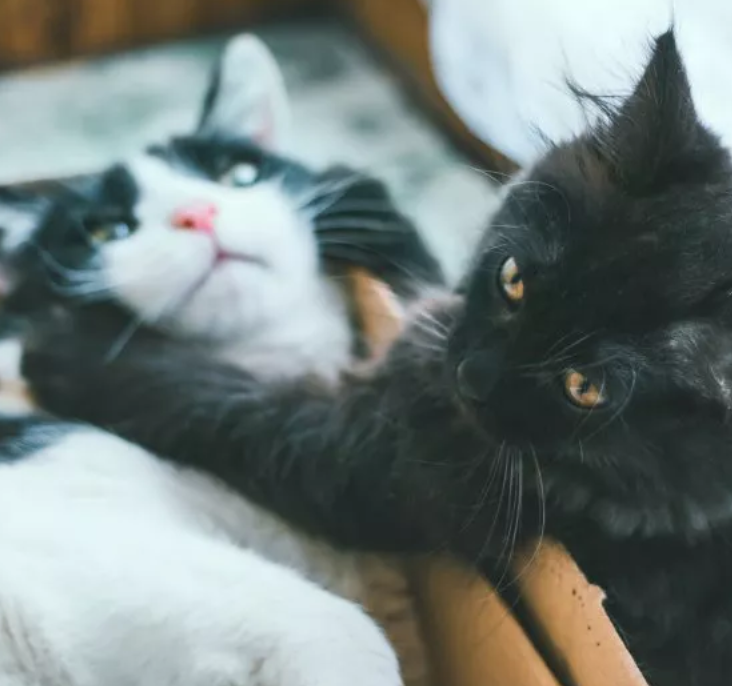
x=115, y=567
x=469, y=437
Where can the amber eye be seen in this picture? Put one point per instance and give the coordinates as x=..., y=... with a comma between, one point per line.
x=582, y=392
x=104, y=232
x=511, y=281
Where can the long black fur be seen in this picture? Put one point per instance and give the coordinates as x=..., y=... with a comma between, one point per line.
x=624, y=241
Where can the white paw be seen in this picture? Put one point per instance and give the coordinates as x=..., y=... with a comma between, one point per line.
x=334, y=646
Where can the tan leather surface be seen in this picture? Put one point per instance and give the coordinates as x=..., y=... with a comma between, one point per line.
x=569, y=615
x=472, y=637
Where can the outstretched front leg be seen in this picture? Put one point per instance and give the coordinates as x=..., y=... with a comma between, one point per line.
x=385, y=462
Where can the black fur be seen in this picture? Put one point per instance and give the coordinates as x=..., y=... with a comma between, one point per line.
x=624, y=242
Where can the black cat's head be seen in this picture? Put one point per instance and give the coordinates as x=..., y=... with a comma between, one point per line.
x=598, y=324
x=215, y=234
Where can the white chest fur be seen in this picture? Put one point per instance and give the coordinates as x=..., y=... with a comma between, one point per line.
x=120, y=569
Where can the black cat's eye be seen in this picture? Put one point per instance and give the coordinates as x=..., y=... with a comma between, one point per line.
x=582, y=392
x=240, y=175
x=112, y=230
x=510, y=281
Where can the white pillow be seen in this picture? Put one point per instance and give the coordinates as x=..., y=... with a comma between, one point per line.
x=504, y=64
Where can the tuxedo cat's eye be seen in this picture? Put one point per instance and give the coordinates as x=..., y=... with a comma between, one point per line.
x=104, y=232
x=510, y=281
x=240, y=175
x=582, y=392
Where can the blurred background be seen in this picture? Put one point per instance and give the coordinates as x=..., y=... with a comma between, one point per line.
x=83, y=82
x=89, y=81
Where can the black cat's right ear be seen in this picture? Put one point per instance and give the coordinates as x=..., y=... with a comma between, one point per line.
x=246, y=96
x=656, y=136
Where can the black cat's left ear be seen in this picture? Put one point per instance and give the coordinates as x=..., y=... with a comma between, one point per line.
x=656, y=137
x=246, y=96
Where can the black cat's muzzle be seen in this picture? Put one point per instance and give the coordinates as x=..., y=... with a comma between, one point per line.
x=477, y=374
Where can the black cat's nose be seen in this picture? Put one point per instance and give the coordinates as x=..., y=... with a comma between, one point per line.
x=477, y=374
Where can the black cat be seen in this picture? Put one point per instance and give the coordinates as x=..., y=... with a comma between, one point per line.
x=582, y=387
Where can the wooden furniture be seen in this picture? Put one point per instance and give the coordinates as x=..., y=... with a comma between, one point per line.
x=43, y=30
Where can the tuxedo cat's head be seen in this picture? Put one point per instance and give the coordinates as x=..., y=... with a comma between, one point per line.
x=215, y=235
x=598, y=324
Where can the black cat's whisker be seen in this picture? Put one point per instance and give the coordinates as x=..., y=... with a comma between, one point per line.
x=499, y=507
x=560, y=341
x=602, y=362
x=486, y=489
x=576, y=343
x=541, y=496
x=536, y=185
x=513, y=524
x=509, y=242
x=514, y=512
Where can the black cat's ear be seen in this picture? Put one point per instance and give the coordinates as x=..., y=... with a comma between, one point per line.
x=246, y=97
x=655, y=137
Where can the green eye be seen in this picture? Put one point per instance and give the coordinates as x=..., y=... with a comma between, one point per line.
x=240, y=175
x=105, y=232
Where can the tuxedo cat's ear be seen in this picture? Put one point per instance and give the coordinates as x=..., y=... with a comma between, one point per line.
x=247, y=96
x=656, y=137
x=19, y=216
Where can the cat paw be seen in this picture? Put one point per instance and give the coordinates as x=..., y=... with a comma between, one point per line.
x=342, y=646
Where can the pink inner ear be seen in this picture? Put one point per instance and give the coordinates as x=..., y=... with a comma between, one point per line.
x=265, y=135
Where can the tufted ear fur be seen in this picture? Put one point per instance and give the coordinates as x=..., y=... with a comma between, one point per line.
x=655, y=137
x=20, y=212
x=246, y=96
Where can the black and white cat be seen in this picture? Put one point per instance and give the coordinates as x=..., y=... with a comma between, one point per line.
x=580, y=387
x=117, y=568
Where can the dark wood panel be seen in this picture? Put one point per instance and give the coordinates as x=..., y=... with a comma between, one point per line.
x=32, y=30
x=399, y=29
x=43, y=30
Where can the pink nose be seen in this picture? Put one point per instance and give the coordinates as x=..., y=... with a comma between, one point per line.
x=198, y=217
